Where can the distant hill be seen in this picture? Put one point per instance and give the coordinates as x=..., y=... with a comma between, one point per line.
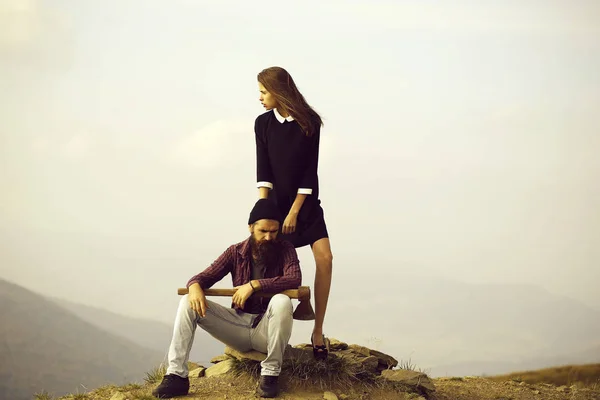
x=582, y=375
x=147, y=333
x=45, y=347
x=456, y=328
x=487, y=368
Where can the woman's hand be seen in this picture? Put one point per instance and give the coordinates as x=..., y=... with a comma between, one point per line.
x=289, y=224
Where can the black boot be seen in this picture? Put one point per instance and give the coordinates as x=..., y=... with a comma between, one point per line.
x=172, y=386
x=268, y=386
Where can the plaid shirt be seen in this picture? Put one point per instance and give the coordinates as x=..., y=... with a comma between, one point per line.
x=237, y=261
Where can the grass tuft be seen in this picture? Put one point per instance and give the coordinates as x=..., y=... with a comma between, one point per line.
x=408, y=365
x=156, y=374
x=43, y=395
x=143, y=396
x=132, y=386
x=302, y=373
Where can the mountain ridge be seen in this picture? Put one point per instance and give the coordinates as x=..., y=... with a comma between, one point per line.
x=49, y=348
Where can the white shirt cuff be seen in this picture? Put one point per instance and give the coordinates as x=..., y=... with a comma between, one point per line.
x=304, y=191
x=264, y=184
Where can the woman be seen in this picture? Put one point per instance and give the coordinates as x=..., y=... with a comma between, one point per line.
x=287, y=155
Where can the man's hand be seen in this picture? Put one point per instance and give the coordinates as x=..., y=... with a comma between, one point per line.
x=197, y=300
x=241, y=295
x=289, y=224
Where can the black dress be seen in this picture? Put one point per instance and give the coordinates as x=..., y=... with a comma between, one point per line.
x=287, y=162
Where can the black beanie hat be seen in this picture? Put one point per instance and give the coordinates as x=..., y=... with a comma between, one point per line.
x=264, y=209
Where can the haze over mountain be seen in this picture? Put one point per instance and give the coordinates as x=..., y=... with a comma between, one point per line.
x=45, y=347
x=441, y=323
x=154, y=335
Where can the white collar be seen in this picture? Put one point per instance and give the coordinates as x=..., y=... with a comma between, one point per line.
x=280, y=118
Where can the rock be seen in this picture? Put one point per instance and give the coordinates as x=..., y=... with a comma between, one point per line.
x=416, y=380
x=221, y=368
x=385, y=360
x=220, y=358
x=335, y=344
x=298, y=353
x=562, y=388
x=197, y=373
x=329, y=396
x=370, y=363
x=343, y=396
x=249, y=355
x=119, y=396
x=536, y=392
x=303, y=346
x=360, y=350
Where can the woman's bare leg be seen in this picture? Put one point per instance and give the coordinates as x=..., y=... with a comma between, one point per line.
x=324, y=262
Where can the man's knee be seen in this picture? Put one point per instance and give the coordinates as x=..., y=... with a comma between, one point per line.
x=184, y=305
x=281, y=304
x=184, y=302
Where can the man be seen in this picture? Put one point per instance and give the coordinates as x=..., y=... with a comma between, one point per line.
x=259, y=263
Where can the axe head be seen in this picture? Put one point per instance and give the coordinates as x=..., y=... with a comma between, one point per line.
x=304, y=311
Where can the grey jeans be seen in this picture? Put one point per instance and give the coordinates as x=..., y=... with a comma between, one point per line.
x=234, y=328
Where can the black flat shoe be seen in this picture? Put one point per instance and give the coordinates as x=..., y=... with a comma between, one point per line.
x=172, y=386
x=268, y=386
x=320, y=352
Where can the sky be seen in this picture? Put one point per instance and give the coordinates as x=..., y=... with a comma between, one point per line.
x=460, y=142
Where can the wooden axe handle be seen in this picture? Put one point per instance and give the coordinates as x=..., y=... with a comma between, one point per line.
x=302, y=293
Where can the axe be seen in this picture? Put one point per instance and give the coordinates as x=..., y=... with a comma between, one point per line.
x=303, y=312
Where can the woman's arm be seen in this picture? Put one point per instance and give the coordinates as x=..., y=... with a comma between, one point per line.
x=263, y=192
x=298, y=202
x=309, y=179
x=307, y=184
x=264, y=173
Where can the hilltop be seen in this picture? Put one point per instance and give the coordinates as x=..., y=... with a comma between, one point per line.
x=353, y=372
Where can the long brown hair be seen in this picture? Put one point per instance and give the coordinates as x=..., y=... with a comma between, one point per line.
x=280, y=84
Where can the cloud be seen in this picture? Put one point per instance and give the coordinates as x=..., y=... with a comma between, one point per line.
x=227, y=142
x=74, y=148
x=216, y=144
x=483, y=17
x=40, y=145
x=19, y=22
x=77, y=147
x=34, y=34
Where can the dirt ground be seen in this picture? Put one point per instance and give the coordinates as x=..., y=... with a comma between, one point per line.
x=229, y=388
x=486, y=389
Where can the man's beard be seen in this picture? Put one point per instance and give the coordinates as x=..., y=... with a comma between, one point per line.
x=266, y=251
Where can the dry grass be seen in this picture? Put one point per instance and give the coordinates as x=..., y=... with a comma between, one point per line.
x=43, y=395
x=410, y=366
x=332, y=373
x=587, y=375
x=156, y=374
